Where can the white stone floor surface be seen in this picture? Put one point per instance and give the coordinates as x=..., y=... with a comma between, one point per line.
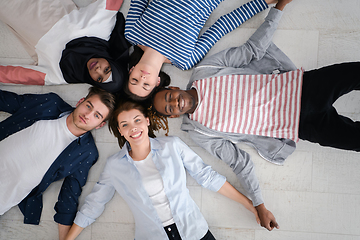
x=314, y=196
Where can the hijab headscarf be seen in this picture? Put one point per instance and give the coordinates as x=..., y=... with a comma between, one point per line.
x=80, y=50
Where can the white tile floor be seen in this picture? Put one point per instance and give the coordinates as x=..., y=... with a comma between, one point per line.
x=314, y=196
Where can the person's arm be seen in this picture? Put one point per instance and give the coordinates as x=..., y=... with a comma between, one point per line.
x=11, y=102
x=242, y=166
x=26, y=75
x=238, y=160
x=254, y=49
x=203, y=174
x=113, y=5
x=230, y=192
x=281, y=4
x=137, y=8
x=74, y=232
x=95, y=202
x=223, y=26
x=63, y=231
x=68, y=200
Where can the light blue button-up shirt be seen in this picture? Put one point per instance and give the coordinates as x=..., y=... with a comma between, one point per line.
x=171, y=157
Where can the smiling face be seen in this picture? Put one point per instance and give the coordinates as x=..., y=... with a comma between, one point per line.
x=99, y=69
x=142, y=80
x=89, y=114
x=174, y=102
x=133, y=126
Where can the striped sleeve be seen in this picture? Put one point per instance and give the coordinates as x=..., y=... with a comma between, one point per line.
x=223, y=26
x=137, y=7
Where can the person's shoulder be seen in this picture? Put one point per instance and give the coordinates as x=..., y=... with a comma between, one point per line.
x=54, y=100
x=53, y=96
x=49, y=97
x=167, y=139
x=170, y=142
x=161, y=143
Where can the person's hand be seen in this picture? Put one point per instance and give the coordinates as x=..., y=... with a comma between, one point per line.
x=267, y=219
x=281, y=4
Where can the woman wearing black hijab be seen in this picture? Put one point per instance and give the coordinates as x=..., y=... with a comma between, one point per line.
x=85, y=45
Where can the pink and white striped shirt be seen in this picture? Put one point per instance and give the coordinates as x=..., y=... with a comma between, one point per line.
x=265, y=105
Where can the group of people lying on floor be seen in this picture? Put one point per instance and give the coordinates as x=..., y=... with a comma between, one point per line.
x=252, y=94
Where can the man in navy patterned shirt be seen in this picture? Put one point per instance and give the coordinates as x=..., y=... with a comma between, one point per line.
x=45, y=140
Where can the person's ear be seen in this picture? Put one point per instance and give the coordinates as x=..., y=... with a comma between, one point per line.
x=131, y=69
x=158, y=81
x=173, y=88
x=80, y=101
x=174, y=116
x=148, y=121
x=101, y=125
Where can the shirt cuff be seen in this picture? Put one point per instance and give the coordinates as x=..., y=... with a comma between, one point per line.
x=257, y=199
x=217, y=183
x=64, y=218
x=83, y=221
x=274, y=14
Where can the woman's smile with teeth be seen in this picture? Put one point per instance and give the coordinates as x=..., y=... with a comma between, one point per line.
x=136, y=135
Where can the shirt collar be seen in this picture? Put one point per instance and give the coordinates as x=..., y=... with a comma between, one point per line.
x=154, y=146
x=79, y=139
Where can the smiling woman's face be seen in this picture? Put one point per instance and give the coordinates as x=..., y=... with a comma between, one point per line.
x=99, y=69
x=142, y=80
x=133, y=126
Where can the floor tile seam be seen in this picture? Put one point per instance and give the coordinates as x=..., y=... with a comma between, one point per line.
x=310, y=232
x=289, y=191
x=12, y=58
x=233, y=228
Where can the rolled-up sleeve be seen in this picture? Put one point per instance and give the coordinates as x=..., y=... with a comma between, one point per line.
x=94, y=205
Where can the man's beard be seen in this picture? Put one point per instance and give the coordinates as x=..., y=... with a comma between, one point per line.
x=76, y=125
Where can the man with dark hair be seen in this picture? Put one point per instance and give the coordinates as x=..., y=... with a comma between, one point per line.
x=254, y=94
x=45, y=140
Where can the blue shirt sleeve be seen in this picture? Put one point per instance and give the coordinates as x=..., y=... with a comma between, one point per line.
x=94, y=205
x=68, y=199
x=202, y=173
x=76, y=176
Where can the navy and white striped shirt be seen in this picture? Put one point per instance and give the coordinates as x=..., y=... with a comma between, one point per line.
x=172, y=27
